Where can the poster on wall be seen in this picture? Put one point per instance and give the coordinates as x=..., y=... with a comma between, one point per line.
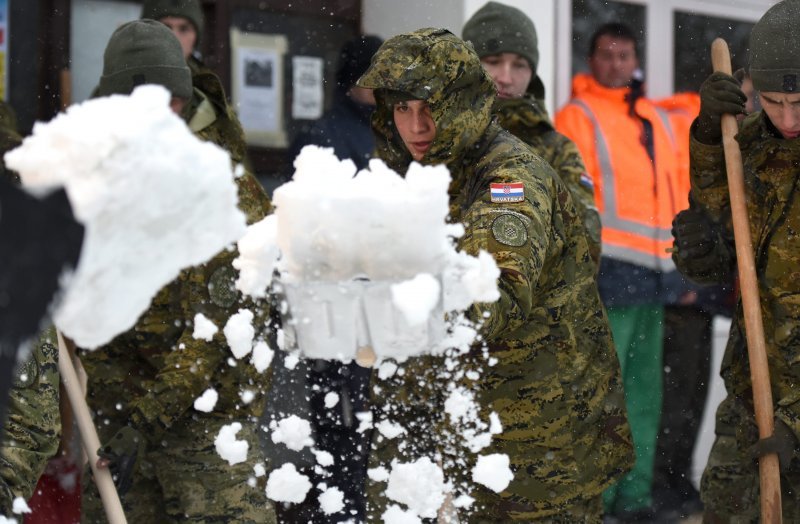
x=257, y=78
x=308, y=92
x=3, y=49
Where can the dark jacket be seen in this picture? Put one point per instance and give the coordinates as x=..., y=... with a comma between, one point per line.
x=345, y=128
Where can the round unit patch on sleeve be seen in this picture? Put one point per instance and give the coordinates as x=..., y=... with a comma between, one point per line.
x=509, y=230
x=221, y=287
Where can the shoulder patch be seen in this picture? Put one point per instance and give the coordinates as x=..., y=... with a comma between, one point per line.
x=509, y=230
x=221, y=287
x=507, y=192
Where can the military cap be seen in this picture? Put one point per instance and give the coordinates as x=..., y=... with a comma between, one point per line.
x=774, y=61
x=144, y=52
x=188, y=9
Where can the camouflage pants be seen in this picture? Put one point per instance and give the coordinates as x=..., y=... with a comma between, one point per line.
x=730, y=484
x=184, y=479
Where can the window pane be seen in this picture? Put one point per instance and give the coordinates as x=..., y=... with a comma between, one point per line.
x=589, y=15
x=693, y=36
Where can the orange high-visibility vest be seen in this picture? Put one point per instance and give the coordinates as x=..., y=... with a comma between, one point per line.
x=637, y=197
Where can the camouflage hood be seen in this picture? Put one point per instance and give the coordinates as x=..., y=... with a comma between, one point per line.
x=436, y=66
x=523, y=116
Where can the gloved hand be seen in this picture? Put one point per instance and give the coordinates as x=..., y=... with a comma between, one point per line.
x=719, y=94
x=694, y=242
x=783, y=442
x=123, y=452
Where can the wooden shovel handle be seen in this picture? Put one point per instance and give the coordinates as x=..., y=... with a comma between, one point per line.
x=751, y=301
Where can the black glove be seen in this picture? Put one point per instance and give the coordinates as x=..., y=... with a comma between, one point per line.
x=719, y=94
x=694, y=243
x=123, y=452
x=782, y=441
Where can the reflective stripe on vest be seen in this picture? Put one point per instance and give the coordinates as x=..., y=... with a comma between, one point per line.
x=610, y=217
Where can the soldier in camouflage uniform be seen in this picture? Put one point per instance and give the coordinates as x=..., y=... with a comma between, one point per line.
x=143, y=384
x=556, y=383
x=505, y=40
x=185, y=20
x=770, y=155
x=32, y=430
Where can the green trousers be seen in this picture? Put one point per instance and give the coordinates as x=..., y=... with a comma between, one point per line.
x=637, y=332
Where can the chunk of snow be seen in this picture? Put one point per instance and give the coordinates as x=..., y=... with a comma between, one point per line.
x=417, y=298
x=387, y=369
x=230, y=449
x=206, y=401
x=239, y=333
x=493, y=471
x=153, y=199
x=258, y=255
x=394, y=514
x=379, y=474
x=285, y=484
x=204, y=329
x=293, y=431
x=262, y=356
x=259, y=470
x=389, y=429
x=324, y=458
x=331, y=501
x=19, y=506
x=419, y=485
x=247, y=396
x=331, y=399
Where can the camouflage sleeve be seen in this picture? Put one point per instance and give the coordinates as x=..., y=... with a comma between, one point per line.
x=188, y=367
x=709, y=184
x=567, y=162
x=32, y=430
x=517, y=236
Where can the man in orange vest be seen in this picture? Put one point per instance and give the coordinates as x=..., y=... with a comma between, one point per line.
x=629, y=146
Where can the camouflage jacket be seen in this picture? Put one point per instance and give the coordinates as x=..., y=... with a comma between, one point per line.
x=773, y=205
x=152, y=374
x=32, y=430
x=526, y=119
x=556, y=384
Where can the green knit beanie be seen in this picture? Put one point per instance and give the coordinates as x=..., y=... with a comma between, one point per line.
x=189, y=9
x=497, y=28
x=144, y=52
x=774, y=61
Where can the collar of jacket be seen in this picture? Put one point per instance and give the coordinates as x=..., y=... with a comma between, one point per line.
x=584, y=84
x=522, y=114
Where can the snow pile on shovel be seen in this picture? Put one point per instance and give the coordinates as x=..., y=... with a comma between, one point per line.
x=153, y=198
x=361, y=253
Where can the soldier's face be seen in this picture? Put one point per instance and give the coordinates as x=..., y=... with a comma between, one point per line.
x=613, y=61
x=184, y=31
x=783, y=110
x=414, y=122
x=510, y=72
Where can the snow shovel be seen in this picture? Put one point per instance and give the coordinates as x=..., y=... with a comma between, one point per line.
x=91, y=442
x=751, y=302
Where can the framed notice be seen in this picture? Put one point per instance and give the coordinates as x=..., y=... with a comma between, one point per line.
x=257, y=68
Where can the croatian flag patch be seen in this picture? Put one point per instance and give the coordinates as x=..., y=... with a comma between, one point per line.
x=510, y=192
x=586, y=180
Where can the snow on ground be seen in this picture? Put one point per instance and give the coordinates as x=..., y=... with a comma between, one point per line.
x=152, y=197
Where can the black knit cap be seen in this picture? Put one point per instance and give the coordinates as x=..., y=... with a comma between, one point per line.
x=354, y=59
x=774, y=60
